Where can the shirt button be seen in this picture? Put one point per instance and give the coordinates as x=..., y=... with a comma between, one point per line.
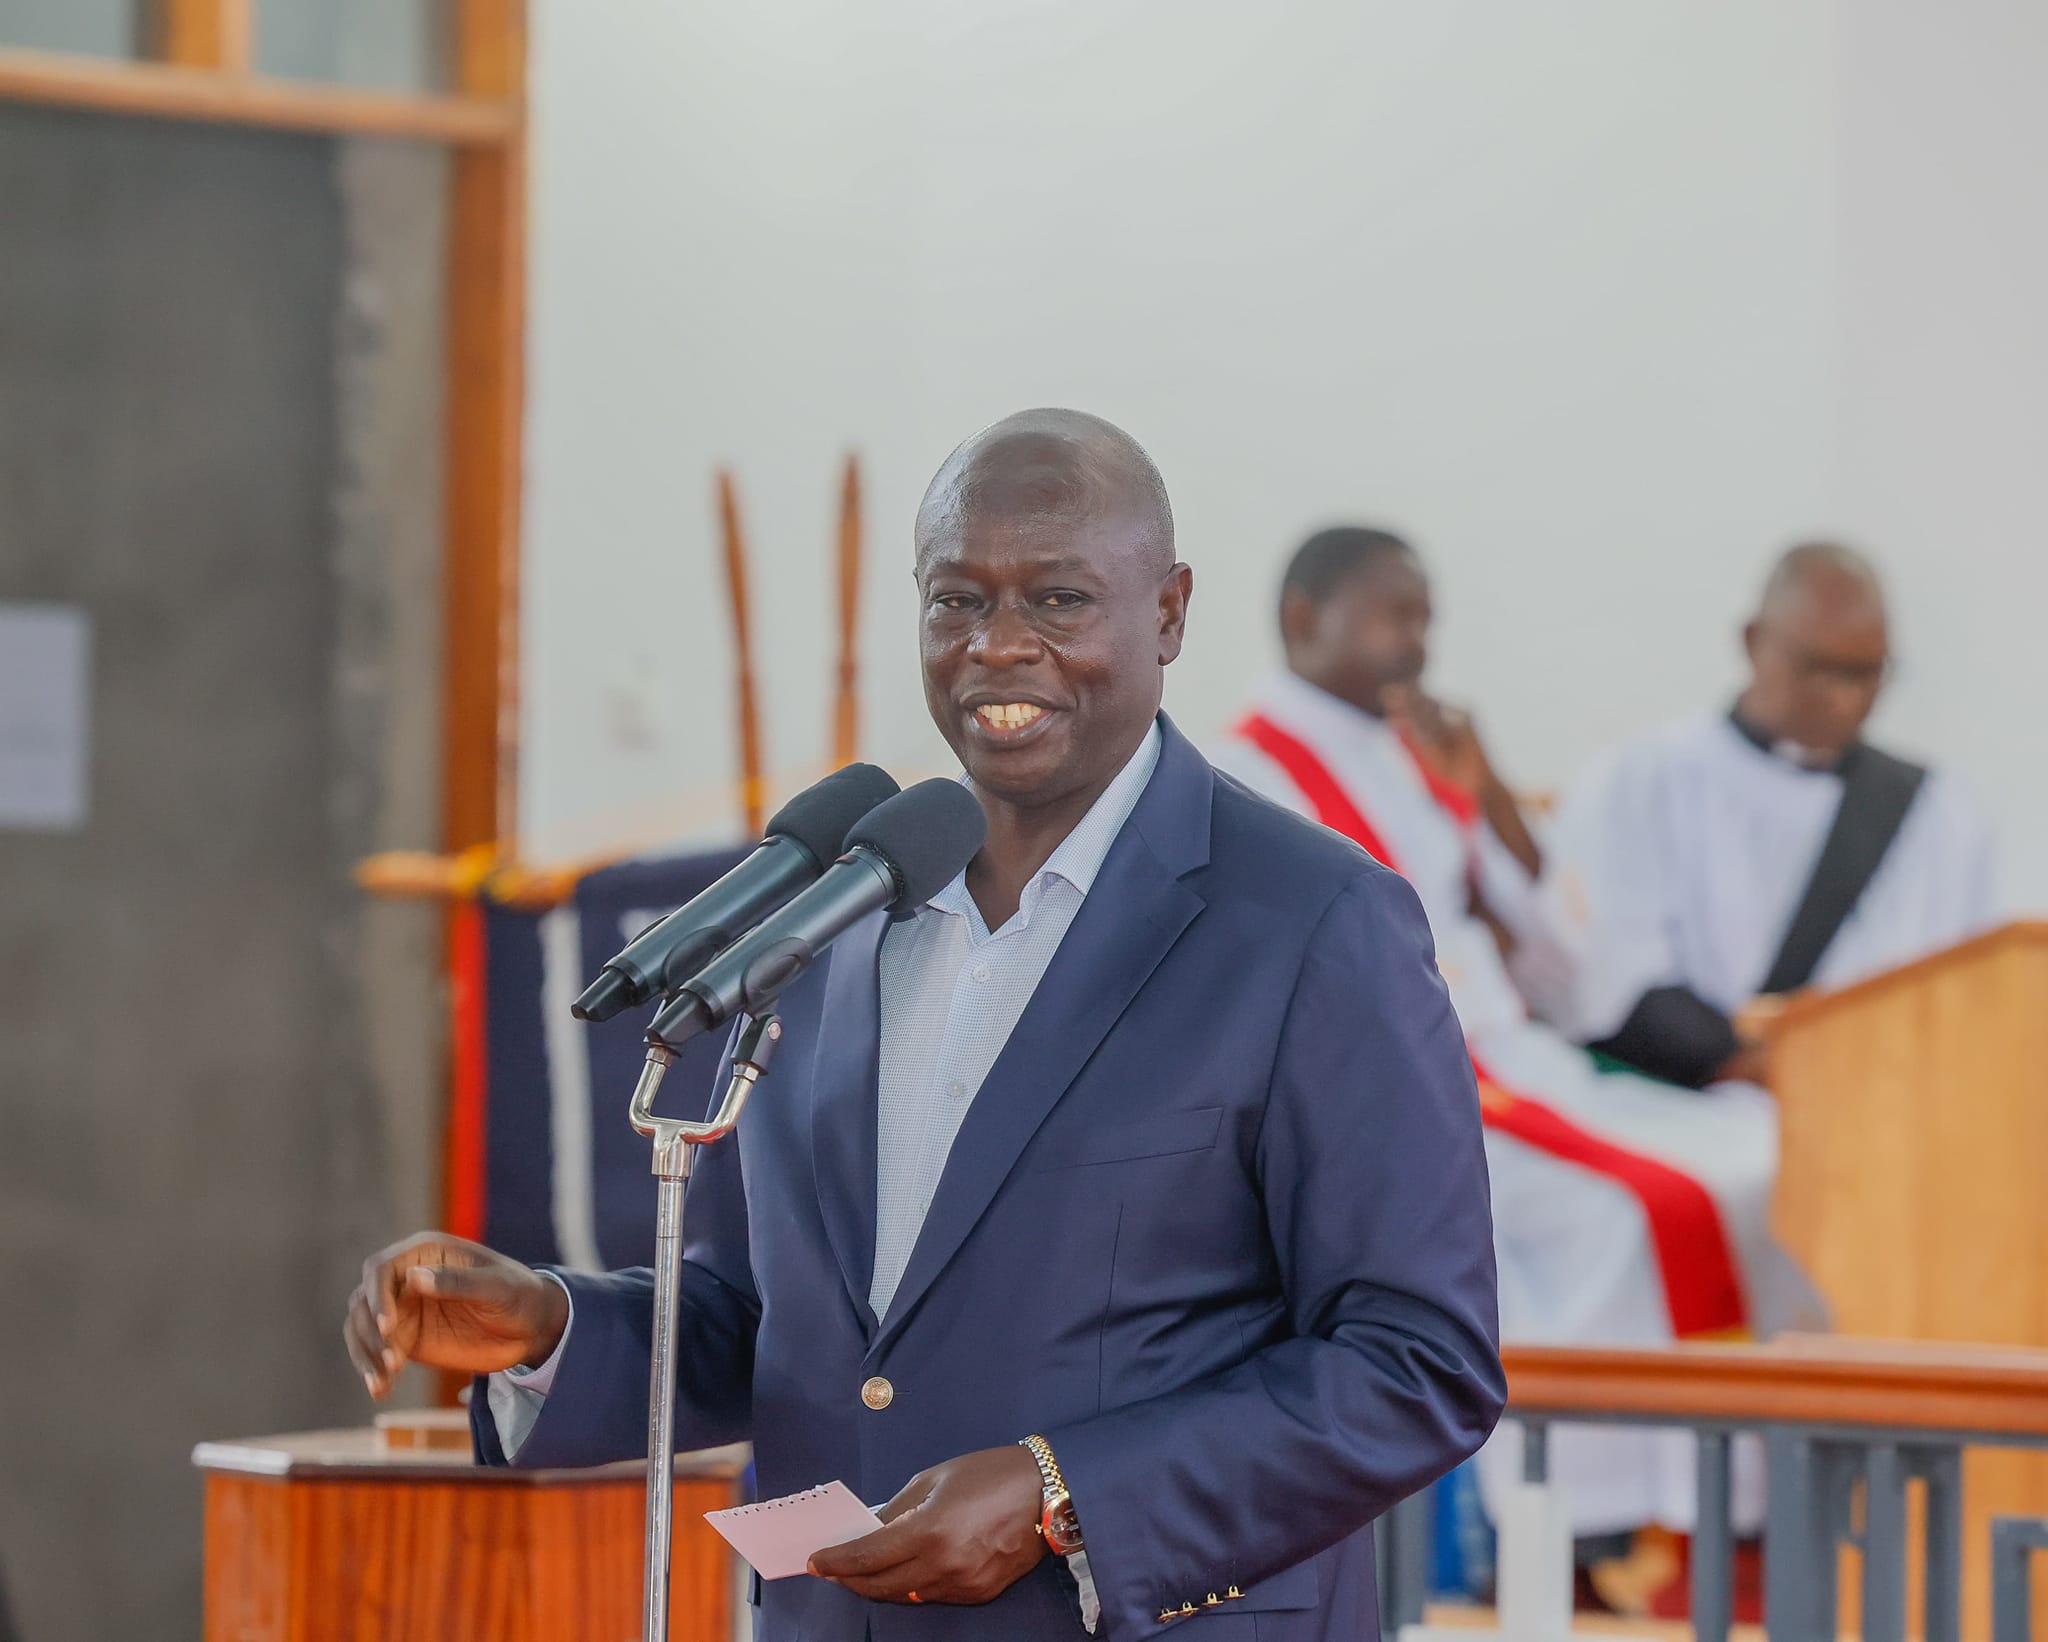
x=956, y=1089
x=981, y=972
x=878, y=1393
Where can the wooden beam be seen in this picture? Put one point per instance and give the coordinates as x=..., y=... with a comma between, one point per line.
x=485, y=411
x=211, y=34
x=166, y=92
x=490, y=48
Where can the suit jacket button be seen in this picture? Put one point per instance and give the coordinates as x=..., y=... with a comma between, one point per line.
x=878, y=1393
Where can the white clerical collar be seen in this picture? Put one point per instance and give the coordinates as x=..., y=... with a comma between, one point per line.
x=1803, y=758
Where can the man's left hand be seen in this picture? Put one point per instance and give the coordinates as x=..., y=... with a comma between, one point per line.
x=964, y=1532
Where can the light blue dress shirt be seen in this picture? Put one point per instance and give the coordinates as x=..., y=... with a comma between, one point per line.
x=952, y=991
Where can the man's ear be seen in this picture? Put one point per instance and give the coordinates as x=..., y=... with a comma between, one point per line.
x=1174, y=594
x=1297, y=617
x=1751, y=631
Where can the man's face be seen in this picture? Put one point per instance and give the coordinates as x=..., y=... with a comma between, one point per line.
x=1816, y=667
x=1370, y=634
x=1042, y=641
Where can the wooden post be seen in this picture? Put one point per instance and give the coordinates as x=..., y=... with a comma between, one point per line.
x=846, y=699
x=485, y=411
x=485, y=408
x=753, y=783
x=214, y=34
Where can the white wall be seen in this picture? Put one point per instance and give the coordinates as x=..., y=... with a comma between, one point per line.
x=1579, y=292
x=1942, y=396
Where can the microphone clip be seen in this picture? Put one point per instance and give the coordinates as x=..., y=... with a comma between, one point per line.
x=675, y=1141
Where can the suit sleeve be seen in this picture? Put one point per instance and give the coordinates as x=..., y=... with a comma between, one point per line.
x=596, y=1408
x=1373, y=1175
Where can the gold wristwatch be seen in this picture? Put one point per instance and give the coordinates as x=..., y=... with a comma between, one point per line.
x=1057, y=1522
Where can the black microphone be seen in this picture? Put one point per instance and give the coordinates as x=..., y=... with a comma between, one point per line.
x=803, y=835
x=902, y=854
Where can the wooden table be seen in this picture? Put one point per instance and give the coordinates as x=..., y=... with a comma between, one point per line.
x=397, y=1535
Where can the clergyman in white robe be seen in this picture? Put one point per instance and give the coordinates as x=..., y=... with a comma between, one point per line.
x=1678, y=862
x=1626, y=1212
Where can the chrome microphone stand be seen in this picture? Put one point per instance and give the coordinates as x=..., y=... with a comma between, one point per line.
x=675, y=1150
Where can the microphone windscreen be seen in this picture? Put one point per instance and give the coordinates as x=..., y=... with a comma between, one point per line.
x=820, y=816
x=927, y=833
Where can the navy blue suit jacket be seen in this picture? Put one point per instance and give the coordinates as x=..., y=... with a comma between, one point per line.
x=1216, y=1224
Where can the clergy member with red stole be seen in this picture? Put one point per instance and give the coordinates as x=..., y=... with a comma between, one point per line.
x=1626, y=1212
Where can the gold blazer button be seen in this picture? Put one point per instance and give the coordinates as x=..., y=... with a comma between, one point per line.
x=878, y=1393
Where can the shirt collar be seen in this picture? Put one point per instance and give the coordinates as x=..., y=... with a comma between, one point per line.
x=1788, y=752
x=1081, y=853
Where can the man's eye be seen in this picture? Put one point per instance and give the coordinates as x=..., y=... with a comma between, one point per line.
x=953, y=601
x=1064, y=599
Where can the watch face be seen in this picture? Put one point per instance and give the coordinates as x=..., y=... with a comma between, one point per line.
x=1063, y=1528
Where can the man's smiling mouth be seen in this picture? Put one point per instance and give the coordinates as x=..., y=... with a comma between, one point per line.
x=1009, y=715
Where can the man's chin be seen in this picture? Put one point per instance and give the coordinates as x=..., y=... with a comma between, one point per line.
x=1017, y=775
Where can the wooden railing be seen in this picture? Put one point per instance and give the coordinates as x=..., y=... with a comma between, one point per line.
x=1805, y=1380
x=1848, y=1424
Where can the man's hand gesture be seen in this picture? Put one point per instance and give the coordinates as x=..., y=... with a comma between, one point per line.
x=450, y=1303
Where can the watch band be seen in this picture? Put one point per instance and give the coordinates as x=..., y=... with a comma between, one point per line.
x=1048, y=1468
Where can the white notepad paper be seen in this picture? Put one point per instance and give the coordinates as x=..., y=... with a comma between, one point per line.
x=779, y=1536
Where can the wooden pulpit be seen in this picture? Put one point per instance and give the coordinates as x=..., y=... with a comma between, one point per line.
x=396, y=1535
x=1913, y=1174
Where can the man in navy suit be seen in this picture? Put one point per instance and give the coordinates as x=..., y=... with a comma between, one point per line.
x=1119, y=1217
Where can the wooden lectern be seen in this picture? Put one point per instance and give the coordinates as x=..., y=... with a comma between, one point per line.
x=396, y=1535
x=1913, y=1175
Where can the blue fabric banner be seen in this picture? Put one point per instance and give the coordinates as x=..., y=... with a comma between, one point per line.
x=566, y=1179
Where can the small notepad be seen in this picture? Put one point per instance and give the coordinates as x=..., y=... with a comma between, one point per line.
x=778, y=1536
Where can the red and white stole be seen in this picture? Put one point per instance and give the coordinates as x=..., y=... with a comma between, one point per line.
x=1694, y=1258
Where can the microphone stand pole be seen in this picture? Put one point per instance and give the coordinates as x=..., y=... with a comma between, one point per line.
x=675, y=1150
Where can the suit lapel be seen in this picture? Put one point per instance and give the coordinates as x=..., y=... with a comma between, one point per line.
x=1126, y=926
x=844, y=1106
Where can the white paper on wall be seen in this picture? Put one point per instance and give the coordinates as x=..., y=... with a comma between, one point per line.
x=45, y=716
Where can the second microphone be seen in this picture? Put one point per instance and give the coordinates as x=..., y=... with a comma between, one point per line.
x=905, y=851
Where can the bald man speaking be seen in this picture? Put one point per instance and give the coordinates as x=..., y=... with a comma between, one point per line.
x=1756, y=851
x=1119, y=1218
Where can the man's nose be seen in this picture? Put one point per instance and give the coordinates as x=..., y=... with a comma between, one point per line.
x=1844, y=707
x=1006, y=639
x=1849, y=699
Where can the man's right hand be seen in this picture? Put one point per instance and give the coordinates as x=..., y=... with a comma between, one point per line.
x=449, y=1303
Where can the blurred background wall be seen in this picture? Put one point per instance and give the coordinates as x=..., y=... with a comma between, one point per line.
x=1605, y=302
x=219, y=1064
